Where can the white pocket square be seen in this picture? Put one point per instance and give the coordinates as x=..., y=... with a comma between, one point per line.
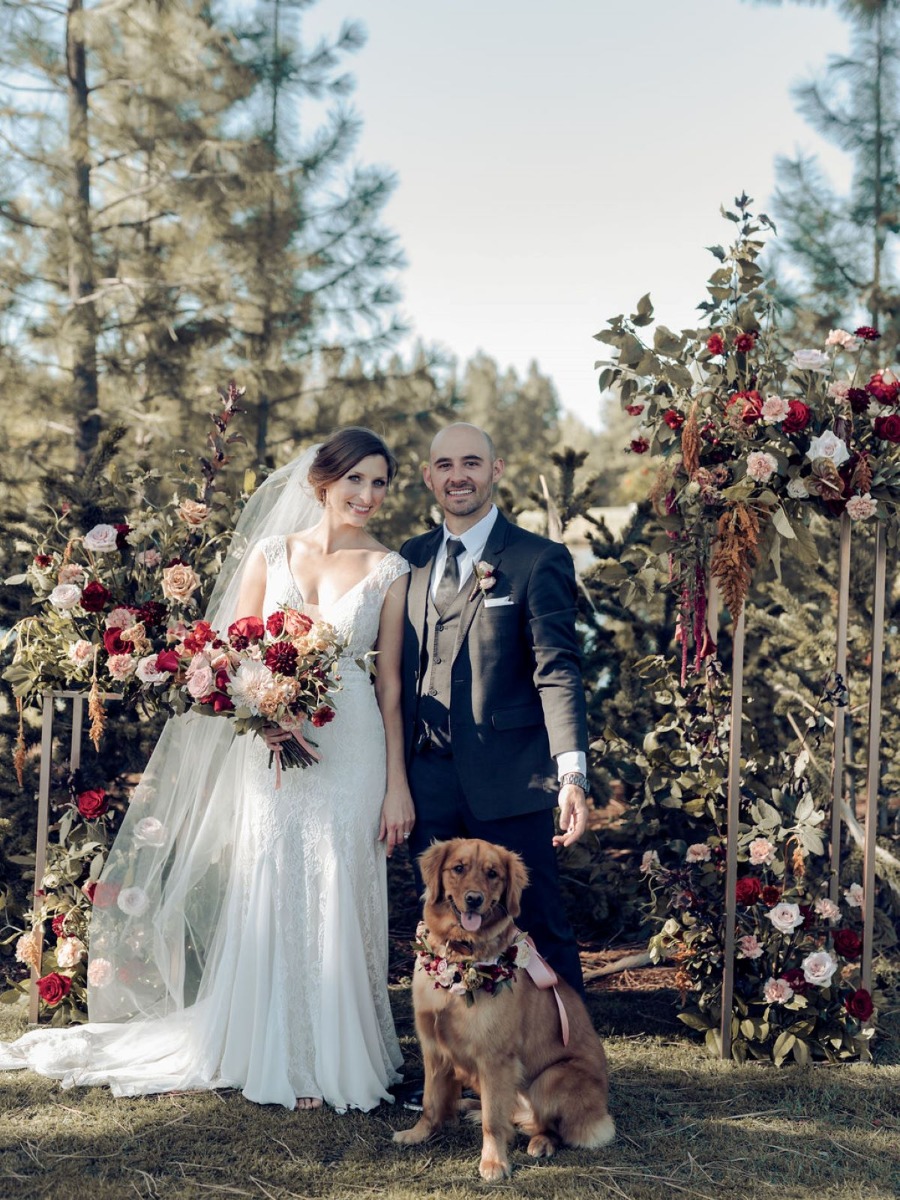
x=497, y=601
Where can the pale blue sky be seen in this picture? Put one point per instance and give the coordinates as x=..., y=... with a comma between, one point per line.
x=558, y=158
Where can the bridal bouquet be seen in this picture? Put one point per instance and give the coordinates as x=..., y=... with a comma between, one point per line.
x=262, y=674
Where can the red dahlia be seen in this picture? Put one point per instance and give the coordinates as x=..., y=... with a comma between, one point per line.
x=281, y=657
x=322, y=716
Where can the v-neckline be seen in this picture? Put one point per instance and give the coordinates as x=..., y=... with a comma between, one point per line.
x=343, y=596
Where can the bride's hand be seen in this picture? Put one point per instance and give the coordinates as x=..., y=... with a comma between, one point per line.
x=397, y=819
x=274, y=735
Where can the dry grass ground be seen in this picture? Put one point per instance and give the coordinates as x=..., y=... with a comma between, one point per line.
x=688, y=1127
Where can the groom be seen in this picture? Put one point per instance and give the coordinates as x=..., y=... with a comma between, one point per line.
x=492, y=689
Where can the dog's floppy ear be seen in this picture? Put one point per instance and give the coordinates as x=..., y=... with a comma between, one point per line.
x=516, y=882
x=431, y=866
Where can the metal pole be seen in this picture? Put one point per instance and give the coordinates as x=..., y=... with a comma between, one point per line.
x=733, y=821
x=840, y=710
x=40, y=849
x=873, y=765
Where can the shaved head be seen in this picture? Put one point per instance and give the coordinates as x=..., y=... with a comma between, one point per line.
x=462, y=471
x=459, y=426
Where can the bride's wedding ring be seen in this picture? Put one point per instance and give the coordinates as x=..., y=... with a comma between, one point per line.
x=405, y=836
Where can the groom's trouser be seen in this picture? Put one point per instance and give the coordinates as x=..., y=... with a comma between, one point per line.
x=442, y=811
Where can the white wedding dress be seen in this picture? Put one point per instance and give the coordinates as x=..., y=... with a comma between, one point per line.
x=293, y=1000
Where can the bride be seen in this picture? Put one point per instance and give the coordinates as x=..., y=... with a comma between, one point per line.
x=239, y=930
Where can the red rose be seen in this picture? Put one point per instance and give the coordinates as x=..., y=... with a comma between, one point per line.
x=223, y=679
x=715, y=344
x=43, y=560
x=887, y=428
x=848, y=943
x=275, y=623
x=92, y=804
x=167, y=660
x=634, y=410
x=640, y=446
x=673, y=419
x=244, y=631
x=797, y=980
x=201, y=635
x=860, y=1005
x=58, y=924
x=112, y=640
x=885, y=391
x=751, y=408
x=770, y=895
x=222, y=703
x=866, y=333
x=322, y=716
x=105, y=894
x=748, y=890
x=53, y=988
x=799, y=416
x=744, y=342
x=95, y=597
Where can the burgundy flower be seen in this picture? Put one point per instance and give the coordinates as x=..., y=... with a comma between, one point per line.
x=222, y=680
x=222, y=703
x=797, y=980
x=884, y=391
x=808, y=915
x=275, y=623
x=92, y=804
x=200, y=636
x=798, y=417
x=43, y=560
x=95, y=597
x=89, y=890
x=152, y=614
x=771, y=895
x=112, y=640
x=848, y=943
x=54, y=988
x=634, y=410
x=673, y=419
x=866, y=333
x=751, y=406
x=281, y=657
x=748, y=890
x=744, y=342
x=323, y=714
x=639, y=446
x=167, y=660
x=859, y=399
x=122, y=532
x=58, y=924
x=860, y=1005
x=887, y=428
x=244, y=631
x=715, y=343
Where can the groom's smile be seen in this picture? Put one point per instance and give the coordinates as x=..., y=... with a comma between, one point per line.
x=462, y=472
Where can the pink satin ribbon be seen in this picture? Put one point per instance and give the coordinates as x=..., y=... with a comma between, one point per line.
x=543, y=976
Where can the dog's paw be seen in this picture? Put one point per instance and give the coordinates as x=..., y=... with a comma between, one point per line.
x=542, y=1145
x=493, y=1170
x=413, y=1137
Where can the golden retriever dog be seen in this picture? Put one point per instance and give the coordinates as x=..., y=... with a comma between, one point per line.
x=484, y=1024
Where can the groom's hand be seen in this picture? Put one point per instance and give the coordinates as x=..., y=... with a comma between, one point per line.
x=572, y=815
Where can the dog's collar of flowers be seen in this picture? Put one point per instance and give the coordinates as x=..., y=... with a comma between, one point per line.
x=485, y=577
x=467, y=976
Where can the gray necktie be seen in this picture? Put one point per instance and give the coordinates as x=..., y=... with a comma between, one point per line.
x=448, y=587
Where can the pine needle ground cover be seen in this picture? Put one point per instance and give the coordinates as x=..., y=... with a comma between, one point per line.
x=688, y=1126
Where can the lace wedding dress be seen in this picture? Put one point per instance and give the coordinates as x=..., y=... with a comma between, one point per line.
x=293, y=999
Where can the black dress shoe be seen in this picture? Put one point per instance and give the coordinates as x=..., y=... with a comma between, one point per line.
x=410, y=1094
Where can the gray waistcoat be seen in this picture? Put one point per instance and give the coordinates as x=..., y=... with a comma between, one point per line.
x=438, y=642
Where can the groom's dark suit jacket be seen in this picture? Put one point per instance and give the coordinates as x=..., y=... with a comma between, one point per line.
x=517, y=696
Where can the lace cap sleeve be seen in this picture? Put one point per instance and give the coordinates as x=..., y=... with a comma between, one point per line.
x=273, y=549
x=391, y=567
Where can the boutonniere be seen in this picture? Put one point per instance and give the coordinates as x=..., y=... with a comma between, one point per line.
x=485, y=578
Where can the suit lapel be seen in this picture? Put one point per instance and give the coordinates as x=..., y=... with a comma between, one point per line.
x=492, y=553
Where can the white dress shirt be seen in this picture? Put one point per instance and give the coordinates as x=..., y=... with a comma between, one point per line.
x=474, y=541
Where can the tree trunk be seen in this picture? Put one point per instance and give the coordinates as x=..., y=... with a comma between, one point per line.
x=81, y=323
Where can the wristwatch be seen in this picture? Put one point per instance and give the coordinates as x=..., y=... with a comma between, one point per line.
x=576, y=779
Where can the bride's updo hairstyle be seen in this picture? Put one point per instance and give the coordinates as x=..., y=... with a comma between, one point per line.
x=339, y=453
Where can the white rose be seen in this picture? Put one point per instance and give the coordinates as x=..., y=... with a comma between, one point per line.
x=811, y=360
x=150, y=831
x=828, y=445
x=69, y=952
x=797, y=489
x=101, y=539
x=133, y=901
x=146, y=670
x=785, y=917
x=65, y=596
x=818, y=968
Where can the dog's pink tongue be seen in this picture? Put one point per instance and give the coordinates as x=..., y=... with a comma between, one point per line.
x=470, y=921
